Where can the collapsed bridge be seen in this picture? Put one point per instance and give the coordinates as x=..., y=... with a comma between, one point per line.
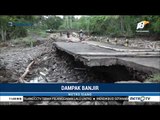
x=95, y=54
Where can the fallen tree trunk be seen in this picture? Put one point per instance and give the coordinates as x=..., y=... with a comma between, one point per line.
x=21, y=79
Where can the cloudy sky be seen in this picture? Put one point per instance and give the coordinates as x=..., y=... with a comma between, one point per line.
x=77, y=16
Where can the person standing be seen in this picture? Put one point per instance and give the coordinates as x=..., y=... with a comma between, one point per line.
x=68, y=34
x=81, y=35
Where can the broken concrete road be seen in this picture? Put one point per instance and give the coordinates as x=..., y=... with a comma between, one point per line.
x=92, y=55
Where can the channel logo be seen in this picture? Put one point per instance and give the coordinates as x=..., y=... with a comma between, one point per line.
x=142, y=24
x=144, y=98
x=19, y=24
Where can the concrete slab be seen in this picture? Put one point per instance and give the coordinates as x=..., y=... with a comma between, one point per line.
x=78, y=48
x=151, y=65
x=92, y=55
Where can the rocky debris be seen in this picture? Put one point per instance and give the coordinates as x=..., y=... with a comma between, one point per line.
x=16, y=62
x=6, y=45
x=2, y=64
x=5, y=75
x=48, y=67
x=130, y=42
x=74, y=34
x=54, y=36
x=51, y=67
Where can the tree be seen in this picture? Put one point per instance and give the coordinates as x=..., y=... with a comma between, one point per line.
x=8, y=32
x=53, y=22
x=3, y=27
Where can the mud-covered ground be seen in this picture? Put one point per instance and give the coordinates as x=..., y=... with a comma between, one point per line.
x=13, y=61
x=53, y=66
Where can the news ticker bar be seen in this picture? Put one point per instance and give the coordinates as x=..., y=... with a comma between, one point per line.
x=102, y=98
x=81, y=87
x=79, y=94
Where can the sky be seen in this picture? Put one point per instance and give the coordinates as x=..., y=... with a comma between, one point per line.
x=77, y=16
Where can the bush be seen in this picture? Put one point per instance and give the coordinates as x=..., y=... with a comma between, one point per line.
x=27, y=41
x=154, y=78
x=37, y=32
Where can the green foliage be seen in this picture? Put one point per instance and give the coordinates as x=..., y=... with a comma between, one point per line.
x=9, y=32
x=116, y=25
x=53, y=22
x=104, y=25
x=155, y=78
x=26, y=41
x=37, y=32
x=12, y=32
x=69, y=22
x=156, y=24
